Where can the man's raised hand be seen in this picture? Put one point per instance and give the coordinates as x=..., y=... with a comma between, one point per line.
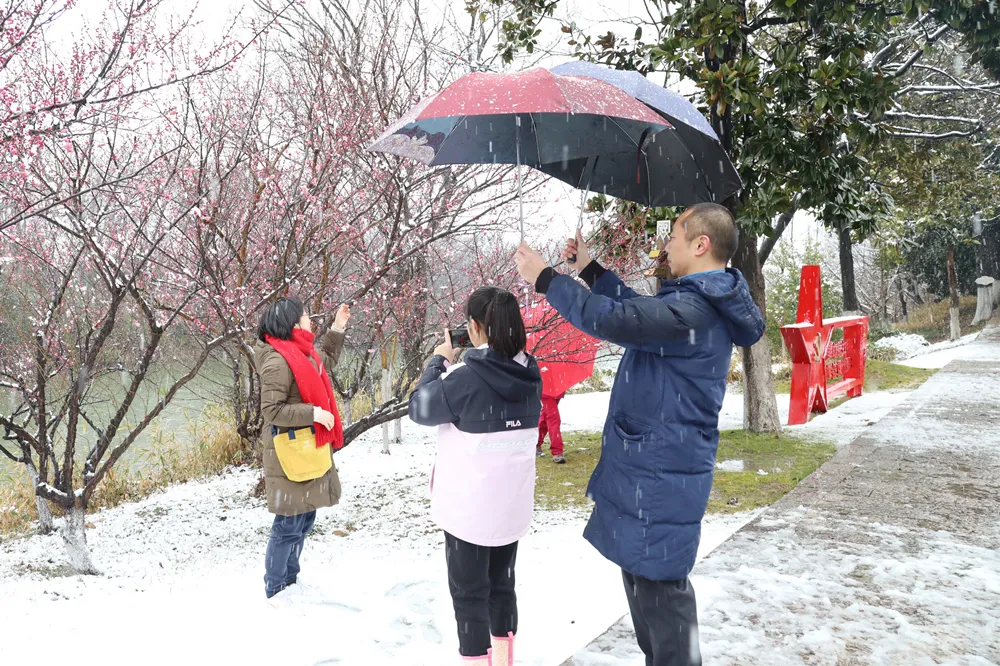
x=577, y=254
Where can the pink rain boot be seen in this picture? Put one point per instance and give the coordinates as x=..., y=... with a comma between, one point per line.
x=503, y=650
x=484, y=660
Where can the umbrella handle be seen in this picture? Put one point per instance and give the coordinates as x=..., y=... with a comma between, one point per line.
x=579, y=225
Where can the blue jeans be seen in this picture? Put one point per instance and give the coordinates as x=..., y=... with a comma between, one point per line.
x=281, y=563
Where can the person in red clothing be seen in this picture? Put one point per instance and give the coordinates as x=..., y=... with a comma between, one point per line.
x=549, y=422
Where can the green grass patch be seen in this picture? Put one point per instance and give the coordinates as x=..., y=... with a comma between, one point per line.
x=787, y=460
x=883, y=376
x=879, y=376
x=565, y=486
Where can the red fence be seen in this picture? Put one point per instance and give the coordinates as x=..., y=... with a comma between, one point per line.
x=815, y=359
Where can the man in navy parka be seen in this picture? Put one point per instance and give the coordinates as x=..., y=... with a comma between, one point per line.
x=652, y=483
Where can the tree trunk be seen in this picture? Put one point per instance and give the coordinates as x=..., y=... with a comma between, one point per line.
x=847, y=280
x=956, y=327
x=75, y=537
x=45, y=524
x=246, y=407
x=346, y=416
x=902, y=298
x=386, y=389
x=988, y=249
x=760, y=406
x=917, y=297
x=884, y=297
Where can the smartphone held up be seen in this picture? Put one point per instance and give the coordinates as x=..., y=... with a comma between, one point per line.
x=460, y=338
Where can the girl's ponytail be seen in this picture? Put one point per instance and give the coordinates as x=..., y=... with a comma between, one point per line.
x=497, y=310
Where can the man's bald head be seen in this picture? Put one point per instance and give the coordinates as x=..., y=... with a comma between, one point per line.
x=715, y=222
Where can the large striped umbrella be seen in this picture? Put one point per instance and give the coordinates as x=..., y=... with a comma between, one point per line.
x=528, y=118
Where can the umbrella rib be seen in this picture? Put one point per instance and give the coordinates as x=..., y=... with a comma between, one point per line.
x=618, y=125
x=649, y=178
x=694, y=160
x=534, y=131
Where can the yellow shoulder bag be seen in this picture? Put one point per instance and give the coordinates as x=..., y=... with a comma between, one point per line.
x=300, y=459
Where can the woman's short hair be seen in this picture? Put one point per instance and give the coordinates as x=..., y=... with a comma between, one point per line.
x=280, y=319
x=499, y=313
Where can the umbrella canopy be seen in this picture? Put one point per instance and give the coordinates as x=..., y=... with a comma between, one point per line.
x=679, y=167
x=529, y=118
x=565, y=354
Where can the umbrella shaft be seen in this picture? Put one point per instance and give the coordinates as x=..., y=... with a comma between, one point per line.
x=520, y=198
x=583, y=201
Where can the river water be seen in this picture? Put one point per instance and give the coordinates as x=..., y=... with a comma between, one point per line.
x=175, y=428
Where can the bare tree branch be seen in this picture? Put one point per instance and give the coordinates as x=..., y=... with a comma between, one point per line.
x=903, y=68
x=779, y=228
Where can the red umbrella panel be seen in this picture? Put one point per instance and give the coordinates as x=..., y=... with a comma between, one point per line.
x=565, y=354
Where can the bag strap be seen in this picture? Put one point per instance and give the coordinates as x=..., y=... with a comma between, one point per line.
x=291, y=431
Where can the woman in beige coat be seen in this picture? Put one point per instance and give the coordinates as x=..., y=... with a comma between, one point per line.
x=289, y=369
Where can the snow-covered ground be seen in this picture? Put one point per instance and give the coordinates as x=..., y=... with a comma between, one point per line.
x=906, y=345
x=914, y=350
x=936, y=356
x=182, y=580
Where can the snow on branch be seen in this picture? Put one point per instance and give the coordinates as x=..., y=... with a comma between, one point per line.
x=961, y=86
x=886, y=52
x=992, y=160
x=926, y=116
x=903, y=68
x=52, y=494
x=909, y=133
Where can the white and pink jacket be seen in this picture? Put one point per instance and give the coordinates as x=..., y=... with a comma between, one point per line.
x=486, y=410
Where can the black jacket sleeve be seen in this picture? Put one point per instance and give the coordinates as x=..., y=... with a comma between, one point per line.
x=428, y=404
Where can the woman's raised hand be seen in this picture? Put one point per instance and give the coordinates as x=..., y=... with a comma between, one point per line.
x=445, y=349
x=342, y=318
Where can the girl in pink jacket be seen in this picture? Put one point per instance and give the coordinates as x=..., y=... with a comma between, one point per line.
x=483, y=484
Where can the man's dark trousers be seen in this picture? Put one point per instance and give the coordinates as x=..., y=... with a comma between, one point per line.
x=665, y=616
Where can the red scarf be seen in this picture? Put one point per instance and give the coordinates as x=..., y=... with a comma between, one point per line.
x=314, y=385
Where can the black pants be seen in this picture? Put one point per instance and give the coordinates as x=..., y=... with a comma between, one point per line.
x=665, y=616
x=481, y=579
